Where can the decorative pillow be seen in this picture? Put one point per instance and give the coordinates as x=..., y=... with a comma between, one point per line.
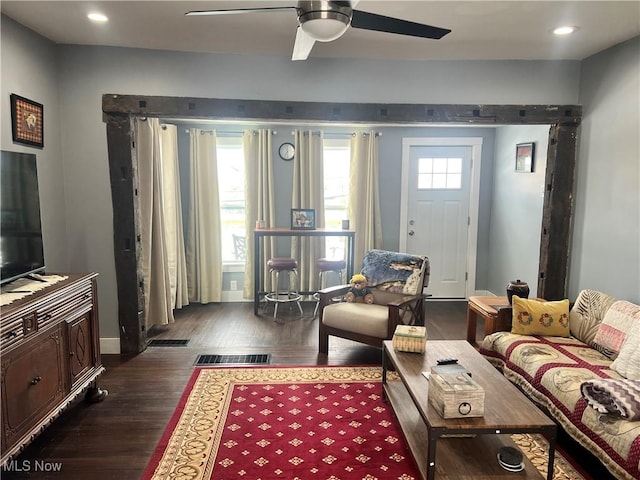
x=587, y=314
x=619, y=321
x=627, y=363
x=533, y=317
x=613, y=396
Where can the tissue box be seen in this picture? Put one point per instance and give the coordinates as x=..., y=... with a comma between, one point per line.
x=456, y=395
x=408, y=338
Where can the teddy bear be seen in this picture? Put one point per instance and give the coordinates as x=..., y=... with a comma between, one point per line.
x=359, y=291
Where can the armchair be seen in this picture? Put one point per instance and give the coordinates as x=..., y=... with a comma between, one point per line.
x=396, y=280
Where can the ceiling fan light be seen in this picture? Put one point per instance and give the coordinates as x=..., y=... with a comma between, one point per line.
x=565, y=30
x=97, y=17
x=324, y=26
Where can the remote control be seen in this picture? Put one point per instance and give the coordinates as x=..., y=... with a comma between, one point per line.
x=447, y=361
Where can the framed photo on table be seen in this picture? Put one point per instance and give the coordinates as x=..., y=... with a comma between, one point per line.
x=27, y=120
x=303, y=219
x=524, y=157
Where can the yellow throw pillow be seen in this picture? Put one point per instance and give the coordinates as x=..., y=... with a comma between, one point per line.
x=533, y=317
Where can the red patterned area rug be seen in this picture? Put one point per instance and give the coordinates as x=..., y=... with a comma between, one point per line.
x=327, y=423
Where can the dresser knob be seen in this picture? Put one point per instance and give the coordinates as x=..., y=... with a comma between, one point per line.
x=36, y=380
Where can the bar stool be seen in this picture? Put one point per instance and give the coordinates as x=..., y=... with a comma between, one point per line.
x=324, y=266
x=289, y=265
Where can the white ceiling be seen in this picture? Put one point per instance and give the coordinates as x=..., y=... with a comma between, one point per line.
x=481, y=29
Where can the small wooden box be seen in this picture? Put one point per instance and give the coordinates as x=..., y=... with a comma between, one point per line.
x=408, y=338
x=456, y=395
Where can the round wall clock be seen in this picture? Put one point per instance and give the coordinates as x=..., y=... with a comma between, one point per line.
x=287, y=151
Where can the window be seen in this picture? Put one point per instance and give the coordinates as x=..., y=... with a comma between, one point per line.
x=231, y=182
x=231, y=189
x=337, y=158
x=443, y=173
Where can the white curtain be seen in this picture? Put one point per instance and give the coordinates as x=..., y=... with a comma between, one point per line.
x=308, y=193
x=364, y=195
x=176, y=260
x=162, y=254
x=204, y=249
x=259, y=201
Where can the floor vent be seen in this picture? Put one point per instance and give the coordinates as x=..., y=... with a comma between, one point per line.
x=168, y=343
x=253, y=359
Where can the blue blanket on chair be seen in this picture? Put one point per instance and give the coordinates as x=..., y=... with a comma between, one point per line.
x=396, y=272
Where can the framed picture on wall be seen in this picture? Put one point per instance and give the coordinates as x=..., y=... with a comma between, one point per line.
x=303, y=219
x=27, y=121
x=524, y=157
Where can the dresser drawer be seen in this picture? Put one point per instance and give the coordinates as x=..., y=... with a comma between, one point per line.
x=18, y=328
x=64, y=307
x=11, y=333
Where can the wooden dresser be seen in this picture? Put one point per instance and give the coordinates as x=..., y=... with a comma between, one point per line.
x=50, y=354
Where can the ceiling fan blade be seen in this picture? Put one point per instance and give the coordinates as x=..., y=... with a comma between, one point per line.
x=381, y=23
x=232, y=11
x=351, y=4
x=303, y=45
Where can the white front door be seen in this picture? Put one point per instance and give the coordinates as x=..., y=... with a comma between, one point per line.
x=437, y=218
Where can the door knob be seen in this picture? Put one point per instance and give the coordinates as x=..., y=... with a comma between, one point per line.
x=412, y=222
x=411, y=232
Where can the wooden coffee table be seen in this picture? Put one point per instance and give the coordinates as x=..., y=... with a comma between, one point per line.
x=466, y=447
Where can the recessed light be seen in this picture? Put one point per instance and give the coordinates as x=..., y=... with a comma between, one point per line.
x=565, y=30
x=97, y=17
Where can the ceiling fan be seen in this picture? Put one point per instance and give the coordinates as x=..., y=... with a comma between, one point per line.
x=325, y=21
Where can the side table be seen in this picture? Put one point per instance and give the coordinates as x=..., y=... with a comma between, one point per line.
x=487, y=308
x=495, y=311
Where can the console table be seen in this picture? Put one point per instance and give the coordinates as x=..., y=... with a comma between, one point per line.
x=50, y=351
x=259, y=234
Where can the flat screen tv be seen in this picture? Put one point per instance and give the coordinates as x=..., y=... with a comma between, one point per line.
x=21, y=251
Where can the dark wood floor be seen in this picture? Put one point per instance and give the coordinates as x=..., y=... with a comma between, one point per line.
x=115, y=439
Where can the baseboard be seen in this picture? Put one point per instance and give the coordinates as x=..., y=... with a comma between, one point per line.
x=110, y=346
x=476, y=293
x=234, y=296
x=484, y=293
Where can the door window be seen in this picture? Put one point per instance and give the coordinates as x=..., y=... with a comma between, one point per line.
x=443, y=173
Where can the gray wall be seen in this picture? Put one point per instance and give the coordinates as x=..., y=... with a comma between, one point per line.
x=70, y=81
x=29, y=70
x=606, y=235
x=516, y=209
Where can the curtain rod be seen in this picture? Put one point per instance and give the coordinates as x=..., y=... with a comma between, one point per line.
x=274, y=132
x=223, y=132
x=348, y=134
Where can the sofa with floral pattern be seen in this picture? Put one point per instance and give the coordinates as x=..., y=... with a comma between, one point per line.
x=588, y=381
